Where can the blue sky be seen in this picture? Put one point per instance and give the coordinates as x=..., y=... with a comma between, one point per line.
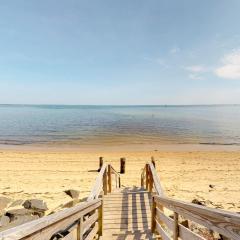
x=120, y=52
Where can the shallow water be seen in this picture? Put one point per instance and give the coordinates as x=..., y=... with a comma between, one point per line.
x=119, y=125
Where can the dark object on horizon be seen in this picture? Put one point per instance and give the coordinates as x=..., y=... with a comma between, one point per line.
x=100, y=163
x=122, y=165
x=153, y=161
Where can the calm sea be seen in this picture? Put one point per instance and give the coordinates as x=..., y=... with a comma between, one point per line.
x=119, y=125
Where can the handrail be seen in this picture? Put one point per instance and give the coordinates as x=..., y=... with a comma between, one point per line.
x=103, y=181
x=223, y=222
x=83, y=217
x=150, y=179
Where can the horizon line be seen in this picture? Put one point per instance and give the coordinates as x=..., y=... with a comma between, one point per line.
x=117, y=105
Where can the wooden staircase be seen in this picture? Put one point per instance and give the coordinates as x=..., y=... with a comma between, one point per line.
x=124, y=213
x=127, y=214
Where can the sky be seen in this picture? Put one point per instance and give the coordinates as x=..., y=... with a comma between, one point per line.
x=120, y=52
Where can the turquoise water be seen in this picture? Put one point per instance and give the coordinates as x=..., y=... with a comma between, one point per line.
x=116, y=125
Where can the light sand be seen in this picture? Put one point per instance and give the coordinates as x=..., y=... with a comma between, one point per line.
x=184, y=175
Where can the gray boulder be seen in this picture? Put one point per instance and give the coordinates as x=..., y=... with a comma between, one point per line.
x=72, y=193
x=15, y=213
x=35, y=205
x=4, y=201
x=4, y=221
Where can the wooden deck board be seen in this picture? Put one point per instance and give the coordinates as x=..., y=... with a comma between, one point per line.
x=128, y=210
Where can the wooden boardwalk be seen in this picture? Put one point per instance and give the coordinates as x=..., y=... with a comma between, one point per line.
x=127, y=214
x=114, y=212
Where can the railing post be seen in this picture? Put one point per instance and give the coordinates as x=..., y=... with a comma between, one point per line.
x=122, y=165
x=100, y=163
x=119, y=182
x=175, y=227
x=100, y=219
x=154, y=212
x=105, y=182
x=80, y=229
x=109, y=179
x=150, y=180
x=147, y=171
x=153, y=161
x=142, y=181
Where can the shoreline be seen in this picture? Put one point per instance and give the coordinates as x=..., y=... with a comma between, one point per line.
x=185, y=175
x=124, y=147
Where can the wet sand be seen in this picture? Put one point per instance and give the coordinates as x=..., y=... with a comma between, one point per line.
x=184, y=175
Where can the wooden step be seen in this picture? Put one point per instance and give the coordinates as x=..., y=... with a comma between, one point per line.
x=128, y=235
x=127, y=214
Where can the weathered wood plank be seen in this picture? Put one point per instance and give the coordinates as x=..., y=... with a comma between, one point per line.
x=161, y=217
x=156, y=180
x=223, y=222
x=45, y=227
x=90, y=221
x=97, y=186
x=185, y=233
x=162, y=233
x=93, y=232
x=175, y=227
x=109, y=179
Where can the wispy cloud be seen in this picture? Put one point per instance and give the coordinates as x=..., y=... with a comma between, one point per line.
x=195, y=71
x=196, y=68
x=231, y=66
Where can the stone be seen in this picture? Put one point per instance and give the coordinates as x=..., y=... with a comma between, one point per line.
x=211, y=186
x=4, y=221
x=196, y=201
x=221, y=237
x=72, y=193
x=4, y=202
x=16, y=203
x=14, y=213
x=22, y=219
x=185, y=223
x=35, y=205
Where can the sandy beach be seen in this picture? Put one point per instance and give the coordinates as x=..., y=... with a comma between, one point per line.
x=44, y=174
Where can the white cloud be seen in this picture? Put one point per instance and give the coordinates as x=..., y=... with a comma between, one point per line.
x=195, y=71
x=196, y=68
x=231, y=66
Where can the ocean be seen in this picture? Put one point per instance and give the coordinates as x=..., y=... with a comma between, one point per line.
x=65, y=125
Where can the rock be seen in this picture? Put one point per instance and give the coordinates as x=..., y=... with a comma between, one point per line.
x=221, y=237
x=35, y=205
x=72, y=193
x=185, y=223
x=211, y=186
x=4, y=221
x=196, y=201
x=4, y=201
x=14, y=213
x=16, y=203
x=22, y=219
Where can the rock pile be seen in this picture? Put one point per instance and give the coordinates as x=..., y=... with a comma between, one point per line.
x=13, y=213
x=17, y=212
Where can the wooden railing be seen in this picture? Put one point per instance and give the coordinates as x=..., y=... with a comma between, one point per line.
x=225, y=223
x=150, y=180
x=104, y=182
x=82, y=222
